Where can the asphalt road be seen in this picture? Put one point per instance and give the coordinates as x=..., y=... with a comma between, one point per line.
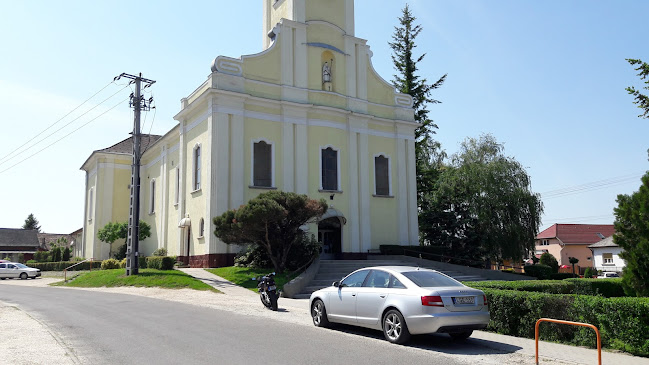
x=108, y=328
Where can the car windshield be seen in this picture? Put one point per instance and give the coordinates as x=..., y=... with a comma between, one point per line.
x=21, y=266
x=427, y=279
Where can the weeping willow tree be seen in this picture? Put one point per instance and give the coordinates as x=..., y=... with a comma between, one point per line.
x=482, y=205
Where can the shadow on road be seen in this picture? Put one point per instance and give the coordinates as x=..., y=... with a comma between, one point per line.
x=438, y=342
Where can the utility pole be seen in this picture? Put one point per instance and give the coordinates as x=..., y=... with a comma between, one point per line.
x=138, y=103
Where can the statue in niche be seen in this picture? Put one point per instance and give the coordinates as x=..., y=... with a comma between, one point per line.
x=326, y=73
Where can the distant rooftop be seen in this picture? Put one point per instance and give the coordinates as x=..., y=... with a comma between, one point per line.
x=578, y=233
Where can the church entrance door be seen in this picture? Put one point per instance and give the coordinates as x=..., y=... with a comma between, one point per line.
x=330, y=235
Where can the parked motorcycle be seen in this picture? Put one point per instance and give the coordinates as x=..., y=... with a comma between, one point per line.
x=268, y=291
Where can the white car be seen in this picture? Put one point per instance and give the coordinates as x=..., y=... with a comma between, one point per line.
x=607, y=275
x=17, y=270
x=401, y=300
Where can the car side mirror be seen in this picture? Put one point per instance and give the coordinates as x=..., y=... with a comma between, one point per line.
x=336, y=284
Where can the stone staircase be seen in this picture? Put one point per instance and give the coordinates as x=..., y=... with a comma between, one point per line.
x=334, y=270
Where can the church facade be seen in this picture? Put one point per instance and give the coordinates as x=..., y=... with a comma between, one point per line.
x=308, y=114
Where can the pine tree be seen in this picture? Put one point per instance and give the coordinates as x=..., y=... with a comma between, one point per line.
x=408, y=82
x=31, y=223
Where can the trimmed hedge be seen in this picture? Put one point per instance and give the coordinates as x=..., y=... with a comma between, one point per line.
x=608, y=288
x=61, y=265
x=538, y=271
x=623, y=322
x=161, y=262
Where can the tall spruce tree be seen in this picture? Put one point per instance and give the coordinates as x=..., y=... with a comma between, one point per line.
x=408, y=82
x=31, y=223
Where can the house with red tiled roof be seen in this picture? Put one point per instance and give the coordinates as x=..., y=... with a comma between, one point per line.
x=572, y=240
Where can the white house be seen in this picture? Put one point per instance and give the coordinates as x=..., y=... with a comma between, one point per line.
x=606, y=256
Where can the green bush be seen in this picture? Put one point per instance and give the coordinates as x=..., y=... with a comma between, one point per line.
x=257, y=257
x=608, y=288
x=160, y=252
x=549, y=260
x=539, y=271
x=110, y=264
x=62, y=265
x=42, y=256
x=122, y=264
x=66, y=254
x=121, y=252
x=160, y=262
x=56, y=254
x=30, y=262
x=589, y=273
x=623, y=322
x=141, y=261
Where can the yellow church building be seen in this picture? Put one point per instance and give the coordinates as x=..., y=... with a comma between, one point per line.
x=308, y=114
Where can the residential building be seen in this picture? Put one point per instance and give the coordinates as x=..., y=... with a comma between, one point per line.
x=606, y=256
x=572, y=240
x=308, y=114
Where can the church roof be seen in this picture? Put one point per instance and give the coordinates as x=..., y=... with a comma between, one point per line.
x=126, y=146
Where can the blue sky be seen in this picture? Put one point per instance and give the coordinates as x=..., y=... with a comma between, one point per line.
x=546, y=78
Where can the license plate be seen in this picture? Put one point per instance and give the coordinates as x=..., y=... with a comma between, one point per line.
x=464, y=300
x=272, y=287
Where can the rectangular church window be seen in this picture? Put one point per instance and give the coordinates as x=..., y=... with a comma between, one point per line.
x=382, y=176
x=262, y=165
x=329, y=169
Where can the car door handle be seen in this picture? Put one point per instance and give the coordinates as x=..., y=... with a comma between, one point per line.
x=353, y=294
x=382, y=295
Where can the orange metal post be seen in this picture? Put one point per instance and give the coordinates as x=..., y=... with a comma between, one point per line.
x=536, y=335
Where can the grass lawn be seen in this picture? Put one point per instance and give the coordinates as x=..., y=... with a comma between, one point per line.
x=242, y=276
x=150, y=278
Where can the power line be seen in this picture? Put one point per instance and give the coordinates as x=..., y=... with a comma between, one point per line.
x=596, y=185
x=53, y=124
x=58, y=140
x=51, y=134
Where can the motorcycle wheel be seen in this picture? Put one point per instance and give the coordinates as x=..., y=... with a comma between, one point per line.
x=265, y=300
x=273, y=300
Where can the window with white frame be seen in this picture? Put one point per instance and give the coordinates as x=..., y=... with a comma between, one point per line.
x=90, y=201
x=152, y=196
x=545, y=243
x=608, y=258
x=197, y=167
x=177, y=196
x=382, y=176
x=329, y=164
x=262, y=162
x=201, y=228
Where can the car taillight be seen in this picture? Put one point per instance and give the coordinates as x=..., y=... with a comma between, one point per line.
x=432, y=301
x=485, y=299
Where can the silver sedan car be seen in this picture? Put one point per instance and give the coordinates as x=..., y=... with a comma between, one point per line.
x=401, y=300
x=17, y=270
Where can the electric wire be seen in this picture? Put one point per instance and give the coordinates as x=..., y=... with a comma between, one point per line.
x=65, y=125
x=60, y=139
x=596, y=185
x=53, y=124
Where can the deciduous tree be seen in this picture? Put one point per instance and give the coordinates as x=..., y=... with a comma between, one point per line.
x=641, y=100
x=482, y=205
x=273, y=220
x=113, y=231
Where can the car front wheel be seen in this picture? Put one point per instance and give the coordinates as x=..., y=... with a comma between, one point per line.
x=23, y=276
x=319, y=314
x=395, y=328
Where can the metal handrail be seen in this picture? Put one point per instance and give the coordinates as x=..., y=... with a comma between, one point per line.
x=65, y=271
x=536, y=335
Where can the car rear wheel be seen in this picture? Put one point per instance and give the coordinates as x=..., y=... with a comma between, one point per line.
x=461, y=335
x=23, y=276
x=2, y=278
x=395, y=328
x=319, y=314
